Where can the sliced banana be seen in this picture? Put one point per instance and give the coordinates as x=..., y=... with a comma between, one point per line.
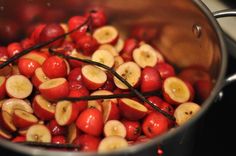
x=112, y=143
x=185, y=111
x=145, y=56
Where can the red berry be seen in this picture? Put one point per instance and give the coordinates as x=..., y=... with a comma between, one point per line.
x=52, y=31
x=55, y=128
x=87, y=142
x=67, y=46
x=27, y=66
x=155, y=101
x=155, y=124
x=3, y=54
x=99, y=17
x=54, y=67
x=36, y=33
x=19, y=139
x=165, y=70
x=90, y=121
x=13, y=49
x=127, y=51
x=150, y=80
x=75, y=75
x=27, y=43
x=60, y=139
x=74, y=22
x=82, y=105
x=86, y=44
x=133, y=129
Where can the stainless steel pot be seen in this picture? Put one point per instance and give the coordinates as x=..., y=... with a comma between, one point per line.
x=188, y=35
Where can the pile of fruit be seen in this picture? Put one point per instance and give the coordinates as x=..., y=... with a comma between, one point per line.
x=91, y=87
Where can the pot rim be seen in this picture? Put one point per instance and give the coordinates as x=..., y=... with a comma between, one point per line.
x=168, y=135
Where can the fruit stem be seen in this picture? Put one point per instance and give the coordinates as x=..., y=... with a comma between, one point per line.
x=98, y=97
x=112, y=71
x=50, y=145
x=41, y=45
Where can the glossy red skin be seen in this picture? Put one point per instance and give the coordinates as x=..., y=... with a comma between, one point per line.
x=75, y=22
x=129, y=112
x=86, y=44
x=127, y=51
x=3, y=53
x=13, y=49
x=67, y=46
x=109, y=84
x=75, y=75
x=114, y=114
x=54, y=67
x=90, y=84
x=193, y=74
x=40, y=112
x=155, y=124
x=165, y=70
x=59, y=139
x=155, y=100
x=27, y=43
x=36, y=81
x=75, y=85
x=20, y=122
x=87, y=142
x=90, y=121
x=133, y=129
x=36, y=32
x=51, y=31
x=99, y=17
x=3, y=89
x=82, y=105
x=56, y=129
x=56, y=93
x=144, y=33
x=203, y=89
x=150, y=80
x=191, y=89
x=27, y=67
x=19, y=139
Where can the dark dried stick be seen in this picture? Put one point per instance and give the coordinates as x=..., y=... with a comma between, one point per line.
x=111, y=70
x=50, y=145
x=99, y=97
x=41, y=45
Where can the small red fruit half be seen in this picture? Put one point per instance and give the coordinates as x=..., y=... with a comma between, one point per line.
x=132, y=109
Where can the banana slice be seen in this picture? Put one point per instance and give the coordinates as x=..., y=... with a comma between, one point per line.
x=145, y=56
x=112, y=143
x=185, y=111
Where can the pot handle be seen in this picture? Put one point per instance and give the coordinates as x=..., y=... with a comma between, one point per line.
x=232, y=78
x=224, y=13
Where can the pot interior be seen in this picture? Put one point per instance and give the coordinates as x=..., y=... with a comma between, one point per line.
x=184, y=34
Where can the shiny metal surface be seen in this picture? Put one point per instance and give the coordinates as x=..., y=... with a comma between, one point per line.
x=187, y=35
x=225, y=13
